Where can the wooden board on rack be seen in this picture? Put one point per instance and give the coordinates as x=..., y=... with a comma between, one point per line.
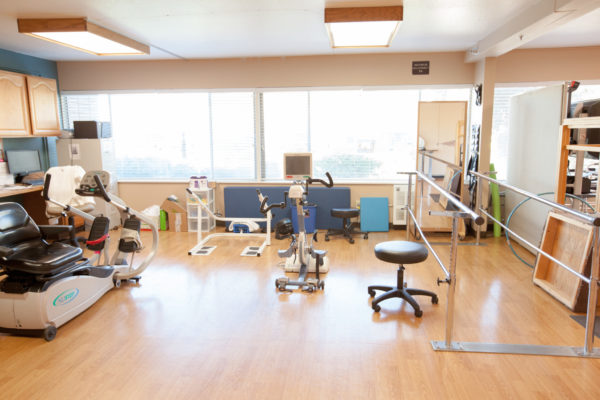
x=569, y=241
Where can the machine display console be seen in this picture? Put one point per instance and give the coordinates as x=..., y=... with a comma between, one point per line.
x=88, y=186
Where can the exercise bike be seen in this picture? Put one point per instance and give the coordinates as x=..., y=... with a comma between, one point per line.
x=47, y=284
x=301, y=256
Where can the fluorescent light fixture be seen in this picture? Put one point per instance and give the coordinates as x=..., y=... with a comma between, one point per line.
x=82, y=35
x=363, y=26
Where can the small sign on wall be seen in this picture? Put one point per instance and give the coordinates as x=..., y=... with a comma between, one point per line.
x=420, y=67
x=75, y=151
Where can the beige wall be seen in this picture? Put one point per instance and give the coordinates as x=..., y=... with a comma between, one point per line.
x=543, y=65
x=142, y=195
x=335, y=70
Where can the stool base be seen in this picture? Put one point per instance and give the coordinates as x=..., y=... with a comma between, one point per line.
x=400, y=292
x=347, y=231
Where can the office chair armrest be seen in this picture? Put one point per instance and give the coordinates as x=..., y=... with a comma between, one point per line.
x=54, y=230
x=6, y=252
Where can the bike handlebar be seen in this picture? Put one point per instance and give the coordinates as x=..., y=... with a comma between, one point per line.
x=263, y=204
x=321, y=181
x=101, y=188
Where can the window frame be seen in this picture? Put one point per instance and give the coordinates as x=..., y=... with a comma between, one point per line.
x=258, y=121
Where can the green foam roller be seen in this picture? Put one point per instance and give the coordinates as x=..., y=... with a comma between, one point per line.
x=495, y=201
x=163, y=220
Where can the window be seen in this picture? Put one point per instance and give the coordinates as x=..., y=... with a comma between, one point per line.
x=285, y=129
x=161, y=136
x=170, y=135
x=355, y=134
x=363, y=134
x=232, y=126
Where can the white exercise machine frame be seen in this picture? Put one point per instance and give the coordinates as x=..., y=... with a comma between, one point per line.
x=203, y=240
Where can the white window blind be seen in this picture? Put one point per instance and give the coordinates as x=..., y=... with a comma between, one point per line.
x=161, y=135
x=232, y=121
x=363, y=134
x=285, y=126
x=353, y=134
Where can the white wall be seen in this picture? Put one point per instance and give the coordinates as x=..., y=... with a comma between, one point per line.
x=535, y=119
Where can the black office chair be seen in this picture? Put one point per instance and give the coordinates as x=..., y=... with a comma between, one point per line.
x=400, y=252
x=26, y=257
x=347, y=226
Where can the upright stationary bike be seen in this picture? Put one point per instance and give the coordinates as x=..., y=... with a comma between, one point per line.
x=301, y=257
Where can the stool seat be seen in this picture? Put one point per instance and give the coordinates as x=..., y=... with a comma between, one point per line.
x=401, y=252
x=345, y=212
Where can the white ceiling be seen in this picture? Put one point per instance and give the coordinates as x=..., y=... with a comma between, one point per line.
x=193, y=29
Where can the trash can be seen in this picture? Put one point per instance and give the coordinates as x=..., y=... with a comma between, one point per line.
x=310, y=220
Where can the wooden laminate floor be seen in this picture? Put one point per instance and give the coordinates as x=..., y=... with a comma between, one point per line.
x=215, y=327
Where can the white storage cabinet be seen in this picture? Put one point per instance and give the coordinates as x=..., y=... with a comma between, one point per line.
x=197, y=216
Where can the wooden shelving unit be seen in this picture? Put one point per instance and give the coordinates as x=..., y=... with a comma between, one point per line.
x=566, y=148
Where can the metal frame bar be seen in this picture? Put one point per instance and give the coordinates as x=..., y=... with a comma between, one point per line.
x=594, y=220
x=587, y=351
x=202, y=241
x=449, y=164
x=533, y=247
x=450, y=273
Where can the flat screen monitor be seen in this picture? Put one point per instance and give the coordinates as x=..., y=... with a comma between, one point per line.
x=297, y=166
x=23, y=162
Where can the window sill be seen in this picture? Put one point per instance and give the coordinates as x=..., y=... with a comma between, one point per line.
x=266, y=183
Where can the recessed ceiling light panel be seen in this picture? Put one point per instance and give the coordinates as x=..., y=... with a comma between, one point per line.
x=82, y=35
x=362, y=26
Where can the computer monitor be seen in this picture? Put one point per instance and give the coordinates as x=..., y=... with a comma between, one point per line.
x=23, y=162
x=297, y=166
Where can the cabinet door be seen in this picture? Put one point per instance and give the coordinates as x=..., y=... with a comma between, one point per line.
x=14, y=111
x=43, y=104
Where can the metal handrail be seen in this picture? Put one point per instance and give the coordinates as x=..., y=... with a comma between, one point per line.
x=594, y=220
x=437, y=258
x=449, y=164
x=593, y=281
x=538, y=250
x=478, y=219
x=462, y=212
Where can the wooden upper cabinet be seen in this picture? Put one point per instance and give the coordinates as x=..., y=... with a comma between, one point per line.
x=43, y=105
x=14, y=110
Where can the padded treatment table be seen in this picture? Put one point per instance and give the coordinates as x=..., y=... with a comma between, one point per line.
x=242, y=201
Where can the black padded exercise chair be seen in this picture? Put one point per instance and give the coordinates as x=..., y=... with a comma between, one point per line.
x=400, y=252
x=26, y=257
x=348, y=227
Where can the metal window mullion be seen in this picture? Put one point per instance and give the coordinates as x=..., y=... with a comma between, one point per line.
x=259, y=137
x=309, y=143
x=210, y=137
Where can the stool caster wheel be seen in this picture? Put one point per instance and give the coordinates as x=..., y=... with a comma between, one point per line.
x=434, y=300
x=326, y=238
x=366, y=236
x=321, y=285
x=376, y=308
x=371, y=293
x=351, y=241
x=418, y=313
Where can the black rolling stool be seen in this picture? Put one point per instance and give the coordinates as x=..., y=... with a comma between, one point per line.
x=400, y=252
x=347, y=226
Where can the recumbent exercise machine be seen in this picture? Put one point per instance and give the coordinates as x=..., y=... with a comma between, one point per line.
x=44, y=285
